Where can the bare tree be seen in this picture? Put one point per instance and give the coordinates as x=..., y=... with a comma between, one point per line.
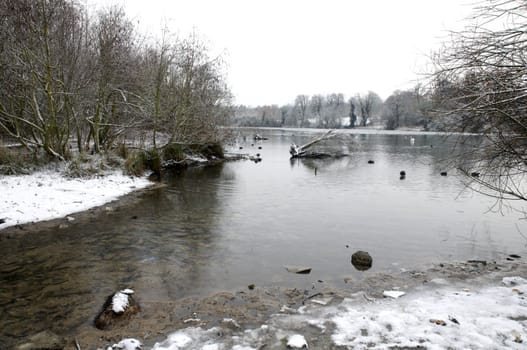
x=352, y=114
x=65, y=75
x=405, y=108
x=369, y=105
x=40, y=72
x=316, y=103
x=301, y=104
x=200, y=100
x=480, y=85
x=114, y=37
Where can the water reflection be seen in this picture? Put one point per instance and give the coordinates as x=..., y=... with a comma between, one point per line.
x=161, y=248
x=228, y=226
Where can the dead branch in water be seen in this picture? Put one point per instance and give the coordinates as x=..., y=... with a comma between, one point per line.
x=304, y=151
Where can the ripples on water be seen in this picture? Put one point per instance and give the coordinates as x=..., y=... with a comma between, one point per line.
x=231, y=225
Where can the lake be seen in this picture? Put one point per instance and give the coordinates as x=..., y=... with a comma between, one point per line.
x=227, y=226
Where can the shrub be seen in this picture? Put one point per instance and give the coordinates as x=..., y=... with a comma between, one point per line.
x=153, y=160
x=173, y=151
x=139, y=161
x=212, y=150
x=80, y=167
x=13, y=162
x=135, y=163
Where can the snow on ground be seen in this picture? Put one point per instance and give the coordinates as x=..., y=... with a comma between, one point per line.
x=438, y=317
x=49, y=195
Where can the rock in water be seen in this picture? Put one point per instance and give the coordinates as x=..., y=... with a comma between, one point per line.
x=117, y=309
x=361, y=260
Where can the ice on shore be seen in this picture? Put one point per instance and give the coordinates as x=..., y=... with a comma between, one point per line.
x=47, y=195
x=437, y=317
x=395, y=294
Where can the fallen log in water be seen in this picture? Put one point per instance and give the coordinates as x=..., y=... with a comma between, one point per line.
x=306, y=151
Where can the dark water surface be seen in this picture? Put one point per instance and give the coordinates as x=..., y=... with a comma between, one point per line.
x=227, y=226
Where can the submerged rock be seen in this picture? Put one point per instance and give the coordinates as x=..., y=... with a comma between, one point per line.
x=361, y=260
x=45, y=340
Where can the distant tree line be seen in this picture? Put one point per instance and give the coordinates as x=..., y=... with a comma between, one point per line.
x=69, y=75
x=403, y=109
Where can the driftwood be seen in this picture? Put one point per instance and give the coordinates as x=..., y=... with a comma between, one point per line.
x=258, y=137
x=305, y=151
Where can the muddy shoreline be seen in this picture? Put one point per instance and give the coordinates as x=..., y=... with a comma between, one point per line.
x=251, y=307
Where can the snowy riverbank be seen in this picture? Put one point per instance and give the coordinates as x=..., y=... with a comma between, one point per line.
x=47, y=195
x=441, y=316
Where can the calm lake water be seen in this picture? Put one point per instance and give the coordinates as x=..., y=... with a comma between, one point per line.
x=228, y=226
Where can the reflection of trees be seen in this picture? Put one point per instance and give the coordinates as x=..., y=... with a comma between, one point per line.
x=459, y=150
x=315, y=165
x=160, y=246
x=182, y=230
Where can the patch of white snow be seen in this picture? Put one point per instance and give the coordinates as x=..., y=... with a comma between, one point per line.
x=297, y=341
x=127, y=344
x=490, y=318
x=513, y=281
x=47, y=195
x=395, y=294
x=119, y=302
x=440, y=317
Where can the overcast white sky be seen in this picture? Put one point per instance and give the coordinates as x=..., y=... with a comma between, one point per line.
x=277, y=49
